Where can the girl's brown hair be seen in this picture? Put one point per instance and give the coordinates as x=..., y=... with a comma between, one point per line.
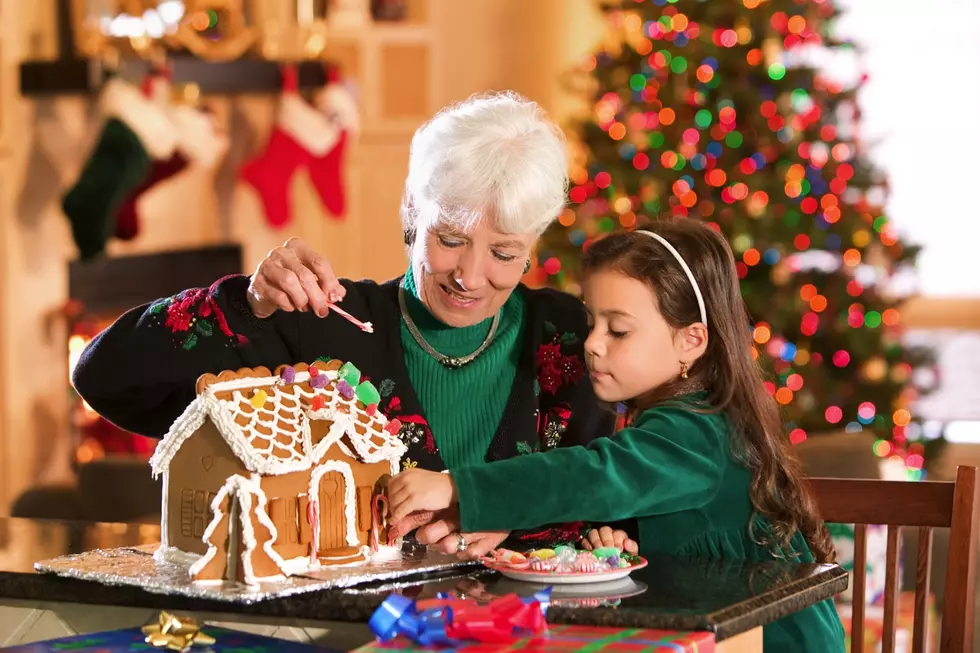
x=726, y=370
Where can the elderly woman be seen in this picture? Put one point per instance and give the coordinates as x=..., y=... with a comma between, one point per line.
x=476, y=366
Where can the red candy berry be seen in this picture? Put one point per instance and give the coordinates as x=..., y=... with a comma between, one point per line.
x=319, y=403
x=393, y=426
x=314, y=371
x=371, y=409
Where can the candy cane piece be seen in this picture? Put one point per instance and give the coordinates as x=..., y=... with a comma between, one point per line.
x=367, y=327
x=313, y=518
x=379, y=506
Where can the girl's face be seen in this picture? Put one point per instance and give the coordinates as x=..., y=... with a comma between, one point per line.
x=631, y=349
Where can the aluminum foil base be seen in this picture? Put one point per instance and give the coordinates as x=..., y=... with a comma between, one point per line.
x=137, y=567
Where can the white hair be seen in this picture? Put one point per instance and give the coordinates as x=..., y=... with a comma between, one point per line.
x=495, y=155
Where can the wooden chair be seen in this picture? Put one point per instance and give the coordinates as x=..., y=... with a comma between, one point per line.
x=924, y=505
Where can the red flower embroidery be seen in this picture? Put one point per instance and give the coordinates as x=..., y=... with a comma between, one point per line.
x=570, y=532
x=195, y=313
x=549, y=354
x=549, y=377
x=572, y=369
x=178, y=319
x=562, y=412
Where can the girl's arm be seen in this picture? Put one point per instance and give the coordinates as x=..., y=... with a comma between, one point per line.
x=671, y=460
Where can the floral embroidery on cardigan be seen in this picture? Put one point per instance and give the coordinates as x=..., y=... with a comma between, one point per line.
x=557, y=369
x=193, y=314
x=552, y=425
x=414, y=430
x=570, y=533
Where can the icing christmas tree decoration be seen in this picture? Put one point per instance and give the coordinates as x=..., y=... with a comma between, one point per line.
x=267, y=474
x=367, y=393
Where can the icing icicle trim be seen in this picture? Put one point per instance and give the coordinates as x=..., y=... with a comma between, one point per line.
x=289, y=447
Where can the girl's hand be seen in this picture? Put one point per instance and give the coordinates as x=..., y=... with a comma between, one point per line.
x=416, y=490
x=607, y=537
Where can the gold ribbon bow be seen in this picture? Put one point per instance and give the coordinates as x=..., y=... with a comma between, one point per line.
x=175, y=633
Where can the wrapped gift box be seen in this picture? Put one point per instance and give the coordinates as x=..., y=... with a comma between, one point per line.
x=133, y=639
x=874, y=624
x=564, y=639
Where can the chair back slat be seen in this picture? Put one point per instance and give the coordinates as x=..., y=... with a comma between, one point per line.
x=925, y=505
x=887, y=503
x=956, y=632
x=923, y=576
x=858, y=593
x=891, y=589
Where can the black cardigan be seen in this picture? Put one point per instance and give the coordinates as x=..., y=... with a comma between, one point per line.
x=140, y=373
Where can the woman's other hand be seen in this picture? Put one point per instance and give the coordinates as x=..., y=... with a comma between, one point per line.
x=293, y=278
x=607, y=537
x=443, y=535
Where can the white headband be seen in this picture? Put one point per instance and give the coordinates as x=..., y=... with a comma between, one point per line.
x=687, y=270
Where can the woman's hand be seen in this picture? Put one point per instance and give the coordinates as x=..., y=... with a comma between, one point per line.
x=293, y=278
x=607, y=537
x=416, y=490
x=443, y=535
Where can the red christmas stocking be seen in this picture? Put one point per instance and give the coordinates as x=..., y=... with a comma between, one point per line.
x=301, y=133
x=327, y=175
x=127, y=219
x=327, y=172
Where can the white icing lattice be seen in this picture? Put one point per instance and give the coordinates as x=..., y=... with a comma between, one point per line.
x=275, y=437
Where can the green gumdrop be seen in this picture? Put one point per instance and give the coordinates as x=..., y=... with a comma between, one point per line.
x=560, y=547
x=367, y=394
x=349, y=373
x=605, y=552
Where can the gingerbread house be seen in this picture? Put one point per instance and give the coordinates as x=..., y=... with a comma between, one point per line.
x=267, y=474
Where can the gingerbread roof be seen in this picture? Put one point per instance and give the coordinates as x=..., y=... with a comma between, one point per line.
x=265, y=418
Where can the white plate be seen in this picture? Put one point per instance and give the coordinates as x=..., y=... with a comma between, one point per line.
x=552, y=578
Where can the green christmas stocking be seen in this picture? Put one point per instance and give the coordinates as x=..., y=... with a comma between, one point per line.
x=136, y=131
x=117, y=166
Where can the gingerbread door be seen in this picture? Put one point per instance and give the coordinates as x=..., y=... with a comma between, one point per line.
x=333, y=519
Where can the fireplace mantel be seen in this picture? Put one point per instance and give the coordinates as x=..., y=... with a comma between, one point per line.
x=114, y=285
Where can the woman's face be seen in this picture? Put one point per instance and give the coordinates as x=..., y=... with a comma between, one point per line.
x=465, y=277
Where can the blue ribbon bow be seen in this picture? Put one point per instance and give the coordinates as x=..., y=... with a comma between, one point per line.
x=399, y=615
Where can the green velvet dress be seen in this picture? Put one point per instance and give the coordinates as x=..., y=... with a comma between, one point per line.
x=674, y=471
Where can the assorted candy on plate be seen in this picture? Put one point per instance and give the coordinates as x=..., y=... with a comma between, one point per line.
x=563, y=559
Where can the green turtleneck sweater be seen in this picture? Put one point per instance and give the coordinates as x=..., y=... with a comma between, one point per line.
x=463, y=406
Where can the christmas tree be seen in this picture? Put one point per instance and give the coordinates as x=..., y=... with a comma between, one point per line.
x=710, y=110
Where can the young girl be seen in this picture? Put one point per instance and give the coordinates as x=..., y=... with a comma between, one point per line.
x=704, y=465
